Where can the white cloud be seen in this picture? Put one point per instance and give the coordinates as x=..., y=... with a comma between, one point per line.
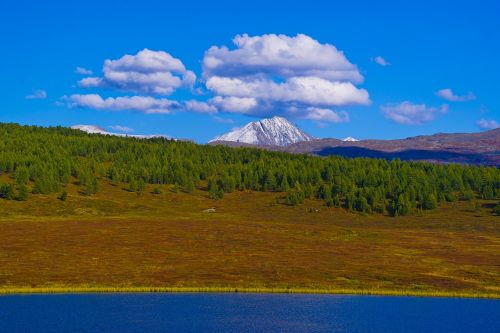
x=83, y=71
x=487, y=124
x=120, y=128
x=408, y=113
x=448, y=95
x=200, y=107
x=37, y=94
x=296, y=77
x=89, y=82
x=143, y=104
x=269, y=74
x=223, y=120
x=280, y=55
x=326, y=115
x=234, y=104
x=149, y=72
x=307, y=90
x=381, y=61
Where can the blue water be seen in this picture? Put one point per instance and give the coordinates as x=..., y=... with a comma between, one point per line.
x=244, y=313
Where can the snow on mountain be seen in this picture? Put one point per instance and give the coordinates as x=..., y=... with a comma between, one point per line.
x=276, y=131
x=350, y=139
x=92, y=129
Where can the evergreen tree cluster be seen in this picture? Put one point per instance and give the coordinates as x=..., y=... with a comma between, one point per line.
x=45, y=159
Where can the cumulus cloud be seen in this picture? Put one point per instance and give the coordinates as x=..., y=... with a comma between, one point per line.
x=83, y=71
x=37, y=94
x=448, y=95
x=292, y=76
x=280, y=55
x=307, y=90
x=120, y=128
x=270, y=74
x=381, y=61
x=408, y=113
x=200, y=107
x=326, y=115
x=234, y=104
x=487, y=124
x=149, y=72
x=143, y=104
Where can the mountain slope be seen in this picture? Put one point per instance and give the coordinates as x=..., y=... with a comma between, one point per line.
x=93, y=129
x=276, y=131
x=481, y=148
x=470, y=148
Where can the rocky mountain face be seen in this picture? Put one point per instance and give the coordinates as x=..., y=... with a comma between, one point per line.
x=276, y=131
x=481, y=148
x=467, y=148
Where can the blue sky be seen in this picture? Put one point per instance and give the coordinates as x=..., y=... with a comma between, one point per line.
x=447, y=46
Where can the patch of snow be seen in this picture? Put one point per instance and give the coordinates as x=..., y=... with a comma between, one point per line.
x=92, y=129
x=276, y=131
x=350, y=139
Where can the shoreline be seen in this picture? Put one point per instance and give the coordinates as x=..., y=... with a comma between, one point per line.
x=245, y=290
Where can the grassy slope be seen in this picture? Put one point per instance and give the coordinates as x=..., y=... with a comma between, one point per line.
x=117, y=240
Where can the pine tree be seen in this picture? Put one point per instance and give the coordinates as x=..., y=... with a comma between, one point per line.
x=22, y=192
x=7, y=191
x=430, y=202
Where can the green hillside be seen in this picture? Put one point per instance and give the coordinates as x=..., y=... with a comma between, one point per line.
x=44, y=160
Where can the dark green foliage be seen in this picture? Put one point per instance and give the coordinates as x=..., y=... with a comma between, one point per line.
x=430, y=202
x=63, y=196
x=141, y=185
x=22, y=192
x=190, y=186
x=468, y=195
x=22, y=175
x=361, y=204
x=45, y=184
x=294, y=196
x=7, y=191
x=215, y=190
x=403, y=206
x=50, y=157
x=156, y=190
x=496, y=209
x=450, y=197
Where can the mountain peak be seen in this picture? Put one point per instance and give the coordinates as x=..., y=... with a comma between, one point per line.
x=93, y=129
x=350, y=139
x=275, y=131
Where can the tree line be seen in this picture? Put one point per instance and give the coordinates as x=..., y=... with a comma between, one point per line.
x=43, y=160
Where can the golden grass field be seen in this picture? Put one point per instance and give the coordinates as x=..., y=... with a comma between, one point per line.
x=120, y=241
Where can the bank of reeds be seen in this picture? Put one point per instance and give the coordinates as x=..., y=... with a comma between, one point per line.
x=216, y=289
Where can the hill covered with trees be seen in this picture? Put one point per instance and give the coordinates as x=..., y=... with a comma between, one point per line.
x=40, y=160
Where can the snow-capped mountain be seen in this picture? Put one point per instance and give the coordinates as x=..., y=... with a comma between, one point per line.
x=275, y=131
x=349, y=139
x=93, y=129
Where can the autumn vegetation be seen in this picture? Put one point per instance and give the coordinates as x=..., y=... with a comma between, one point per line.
x=44, y=160
x=95, y=213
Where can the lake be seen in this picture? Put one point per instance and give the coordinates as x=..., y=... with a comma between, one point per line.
x=245, y=313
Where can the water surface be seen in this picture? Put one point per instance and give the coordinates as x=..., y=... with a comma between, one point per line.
x=244, y=313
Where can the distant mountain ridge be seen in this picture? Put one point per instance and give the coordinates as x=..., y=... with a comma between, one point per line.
x=276, y=131
x=93, y=129
x=481, y=148
x=350, y=138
